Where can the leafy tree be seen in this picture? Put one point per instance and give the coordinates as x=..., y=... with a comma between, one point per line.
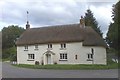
x=9, y=36
x=112, y=35
x=91, y=21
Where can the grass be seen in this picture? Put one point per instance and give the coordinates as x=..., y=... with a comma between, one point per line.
x=110, y=65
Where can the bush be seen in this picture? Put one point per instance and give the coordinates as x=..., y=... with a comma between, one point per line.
x=36, y=62
x=55, y=62
x=10, y=53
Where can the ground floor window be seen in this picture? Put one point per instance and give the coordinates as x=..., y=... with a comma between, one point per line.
x=31, y=56
x=76, y=57
x=90, y=56
x=63, y=56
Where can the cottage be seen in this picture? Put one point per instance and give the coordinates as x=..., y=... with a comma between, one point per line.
x=61, y=44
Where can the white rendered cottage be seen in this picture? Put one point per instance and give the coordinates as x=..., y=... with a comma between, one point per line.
x=61, y=44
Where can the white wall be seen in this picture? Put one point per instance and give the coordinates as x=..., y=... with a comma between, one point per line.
x=72, y=49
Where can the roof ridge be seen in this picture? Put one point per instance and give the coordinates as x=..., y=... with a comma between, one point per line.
x=62, y=25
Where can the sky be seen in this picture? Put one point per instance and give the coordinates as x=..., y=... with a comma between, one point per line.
x=54, y=12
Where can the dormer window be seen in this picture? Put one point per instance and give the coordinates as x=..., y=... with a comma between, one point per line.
x=26, y=48
x=63, y=46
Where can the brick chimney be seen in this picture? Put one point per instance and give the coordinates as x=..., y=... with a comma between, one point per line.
x=82, y=22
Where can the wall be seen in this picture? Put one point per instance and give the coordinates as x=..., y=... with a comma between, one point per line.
x=72, y=49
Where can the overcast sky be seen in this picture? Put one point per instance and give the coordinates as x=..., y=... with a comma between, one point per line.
x=54, y=12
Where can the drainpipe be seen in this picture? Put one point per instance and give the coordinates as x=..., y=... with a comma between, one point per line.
x=92, y=50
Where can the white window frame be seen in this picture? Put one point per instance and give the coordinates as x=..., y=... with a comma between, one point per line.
x=31, y=57
x=26, y=48
x=49, y=47
x=90, y=57
x=63, y=56
x=63, y=46
x=36, y=47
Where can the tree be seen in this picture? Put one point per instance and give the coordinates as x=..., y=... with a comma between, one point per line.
x=91, y=21
x=112, y=35
x=9, y=36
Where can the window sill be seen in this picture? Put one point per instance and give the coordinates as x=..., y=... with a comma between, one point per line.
x=63, y=60
x=89, y=59
x=62, y=48
x=25, y=50
x=49, y=48
x=36, y=49
x=30, y=60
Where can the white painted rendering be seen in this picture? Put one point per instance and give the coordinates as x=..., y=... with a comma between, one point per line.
x=72, y=49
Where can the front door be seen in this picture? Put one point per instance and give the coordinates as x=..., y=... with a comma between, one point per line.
x=48, y=58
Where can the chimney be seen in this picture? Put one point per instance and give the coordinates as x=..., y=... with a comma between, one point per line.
x=27, y=25
x=82, y=23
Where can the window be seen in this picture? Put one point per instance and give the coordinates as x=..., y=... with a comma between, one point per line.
x=63, y=56
x=26, y=48
x=76, y=57
x=90, y=56
x=36, y=47
x=31, y=56
x=63, y=46
x=49, y=45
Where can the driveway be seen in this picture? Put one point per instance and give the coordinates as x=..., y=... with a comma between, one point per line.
x=9, y=71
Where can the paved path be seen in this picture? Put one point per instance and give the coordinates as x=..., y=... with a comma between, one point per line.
x=9, y=71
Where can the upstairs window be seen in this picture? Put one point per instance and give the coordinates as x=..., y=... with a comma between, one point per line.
x=36, y=47
x=63, y=46
x=49, y=45
x=26, y=48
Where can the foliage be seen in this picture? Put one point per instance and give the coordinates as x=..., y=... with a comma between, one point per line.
x=9, y=36
x=112, y=35
x=10, y=54
x=91, y=21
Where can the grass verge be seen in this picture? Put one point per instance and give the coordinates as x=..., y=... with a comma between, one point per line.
x=110, y=65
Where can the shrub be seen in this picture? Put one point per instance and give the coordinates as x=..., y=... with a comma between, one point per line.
x=55, y=62
x=36, y=62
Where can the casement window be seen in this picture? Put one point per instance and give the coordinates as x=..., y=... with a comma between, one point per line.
x=31, y=56
x=36, y=47
x=76, y=57
x=63, y=56
x=90, y=56
x=25, y=48
x=63, y=46
x=49, y=45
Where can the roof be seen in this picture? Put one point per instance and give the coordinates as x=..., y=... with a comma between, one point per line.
x=61, y=34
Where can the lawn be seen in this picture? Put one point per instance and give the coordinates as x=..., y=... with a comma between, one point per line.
x=110, y=65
